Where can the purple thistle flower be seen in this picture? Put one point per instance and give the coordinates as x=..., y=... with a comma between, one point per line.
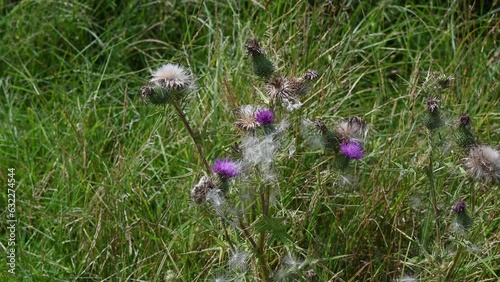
x=226, y=168
x=352, y=150
x=459, y=206
x=265, y=117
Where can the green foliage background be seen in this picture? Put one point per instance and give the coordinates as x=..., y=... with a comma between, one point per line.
x=103, y=180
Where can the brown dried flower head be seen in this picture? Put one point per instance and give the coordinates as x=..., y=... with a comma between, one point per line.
x=286, y=91
x=253, y=48
x=245, y=118
x=352, y=129
x=200, y=190
x=310, y=74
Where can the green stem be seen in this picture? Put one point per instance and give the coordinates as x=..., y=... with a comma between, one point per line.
x=264, y=198
x=195, y=138
x=432, y=194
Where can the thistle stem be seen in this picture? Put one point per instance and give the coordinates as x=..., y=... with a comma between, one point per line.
x=264, y=198
x=195, y=138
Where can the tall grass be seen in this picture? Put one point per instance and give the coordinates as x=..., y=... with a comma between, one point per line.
x=104, y=180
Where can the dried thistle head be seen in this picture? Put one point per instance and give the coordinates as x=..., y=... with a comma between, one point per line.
x=483, y=163
x=353, y=129
x=253, y=48
x=245, y=118
x=286, y=91
x=200, y=190
x=310, y=75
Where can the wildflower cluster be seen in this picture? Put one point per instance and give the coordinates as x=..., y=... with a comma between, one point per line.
x=482, y=161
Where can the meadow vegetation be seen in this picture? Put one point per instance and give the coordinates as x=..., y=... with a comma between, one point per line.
x=104, y=178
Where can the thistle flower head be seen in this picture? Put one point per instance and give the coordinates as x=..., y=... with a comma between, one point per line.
x=264, y=116
x=432, y=104
x=226, y=169
x=464, y=135
x=285, y=90
x=483, y=163
x=310, y=75
x=253, y=48
x=172, y=77
x=170, y=82
x=246, y=118
x=464, y=120
x=352, y=150
x=200, y=190
x=352, y=129
x=459, y=206
x=433, y=116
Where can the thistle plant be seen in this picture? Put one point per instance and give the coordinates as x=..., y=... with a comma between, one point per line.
x=171, y=84
x=482, y=161
x=244, y=190
x=433, y=87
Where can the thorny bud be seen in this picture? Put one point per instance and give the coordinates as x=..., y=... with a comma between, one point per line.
x=320, y=125
x=462, y=219
x=330, y=140
x=433, y=116
x=464, y=135
x=459, y=206
x=253, y=48
x=432, y=104
x=262, y=67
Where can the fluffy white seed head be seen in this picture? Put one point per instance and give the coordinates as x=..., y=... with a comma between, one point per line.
x=483, y=163
x=173, y=77
x=239, y=260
